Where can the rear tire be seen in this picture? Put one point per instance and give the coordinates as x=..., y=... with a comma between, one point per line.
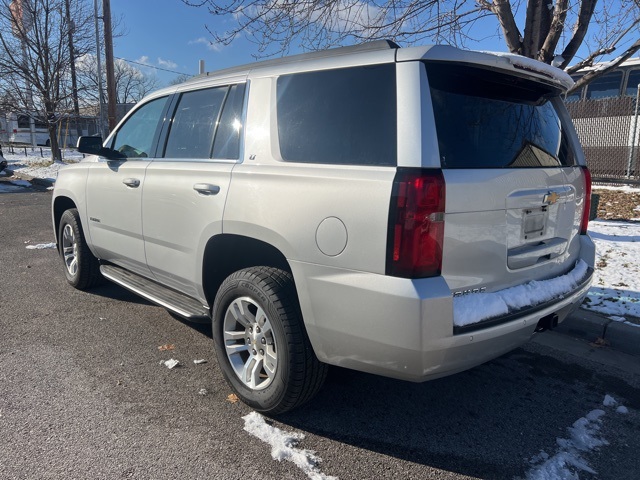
x=261, y=343
x=81, y=268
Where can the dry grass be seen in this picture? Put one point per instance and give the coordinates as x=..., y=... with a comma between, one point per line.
x=618, y=205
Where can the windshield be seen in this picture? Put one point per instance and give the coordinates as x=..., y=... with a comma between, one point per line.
x=486, y=119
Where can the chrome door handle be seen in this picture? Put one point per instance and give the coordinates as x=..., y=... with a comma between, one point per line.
x=131, y=182
x=206, y=188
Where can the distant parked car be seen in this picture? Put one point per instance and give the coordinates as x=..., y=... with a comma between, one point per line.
x=371, y=207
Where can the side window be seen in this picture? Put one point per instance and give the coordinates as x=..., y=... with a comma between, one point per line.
x=135, y=136
x=23, y=121
x=227, y=143
x=194, y=123
x=605, y=86
x=344, y=116
x=632, y=83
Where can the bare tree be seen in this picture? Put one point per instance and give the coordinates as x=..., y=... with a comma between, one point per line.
x=35, y=58
x=183, y=77
x=552, y=31
x=132, y=84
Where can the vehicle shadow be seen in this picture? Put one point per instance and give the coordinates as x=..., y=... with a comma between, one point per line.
x=614, y=238
x=487, y=422
x=111, y=290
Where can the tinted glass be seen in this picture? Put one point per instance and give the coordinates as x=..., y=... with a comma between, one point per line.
x=632, y=83
x=135, y=137
x=343, y=116
x=227, y=143
x=605, y=86
x=489, y=120
x=194, y=123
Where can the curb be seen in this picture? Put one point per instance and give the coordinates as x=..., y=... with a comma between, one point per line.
x=43, y=182
x=597, y=328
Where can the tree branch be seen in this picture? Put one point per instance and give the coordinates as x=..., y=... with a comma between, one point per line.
x=587, y=8
x=593, y=74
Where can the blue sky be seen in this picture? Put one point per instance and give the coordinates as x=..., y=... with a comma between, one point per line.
x=171, y=35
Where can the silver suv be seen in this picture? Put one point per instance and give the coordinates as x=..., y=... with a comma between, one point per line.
x=406, y=212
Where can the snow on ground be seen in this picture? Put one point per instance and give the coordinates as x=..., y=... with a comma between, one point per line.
x=36, y=161
x=569, y=459
x=283, y=446
x=615, y=291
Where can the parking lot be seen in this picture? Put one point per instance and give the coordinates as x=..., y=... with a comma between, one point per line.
x=85, y=395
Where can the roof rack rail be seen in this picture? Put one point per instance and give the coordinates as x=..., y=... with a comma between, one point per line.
x=362, y=47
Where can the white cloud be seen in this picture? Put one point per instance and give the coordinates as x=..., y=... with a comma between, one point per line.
x=214, y=47
x=143, y=59
x=166, y=63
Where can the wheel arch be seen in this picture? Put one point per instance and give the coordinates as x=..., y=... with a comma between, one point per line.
x=227, y=253
x=60, y=205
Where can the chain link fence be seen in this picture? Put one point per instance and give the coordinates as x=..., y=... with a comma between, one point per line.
x=609, y=129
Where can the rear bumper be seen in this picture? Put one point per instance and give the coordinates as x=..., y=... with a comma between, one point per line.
x=404, y=328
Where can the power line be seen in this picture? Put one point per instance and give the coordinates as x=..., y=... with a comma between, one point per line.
x=152, y=66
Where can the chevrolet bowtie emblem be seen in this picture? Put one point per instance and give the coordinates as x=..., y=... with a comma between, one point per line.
x=550, y=198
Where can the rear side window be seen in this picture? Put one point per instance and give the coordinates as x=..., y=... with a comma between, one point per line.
x=343, y=116
x=194, y=123
x=227, y=144
x=486, y=119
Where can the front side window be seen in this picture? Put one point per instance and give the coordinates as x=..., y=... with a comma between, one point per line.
x=194, y=123
x=344, y=116
x=486, y=119
x=135, y=138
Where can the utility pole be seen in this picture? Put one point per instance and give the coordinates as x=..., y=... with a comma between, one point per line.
x=74, y=83
x=99, y=59
x=108, y=56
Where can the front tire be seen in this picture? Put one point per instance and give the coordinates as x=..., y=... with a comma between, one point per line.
x=81, y=268
x=260, y=341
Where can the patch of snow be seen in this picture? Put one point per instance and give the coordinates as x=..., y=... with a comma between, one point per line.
x=36, y=162
x=609, y=401
x=41, y=246
x=615, y=290
x=568, y=460
x=473, y=308
x=283, y=446
x=526, y=63
x=622, y=409
x=171, y=363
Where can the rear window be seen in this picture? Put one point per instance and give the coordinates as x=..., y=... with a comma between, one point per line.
x=343, y=116
x=486, y=119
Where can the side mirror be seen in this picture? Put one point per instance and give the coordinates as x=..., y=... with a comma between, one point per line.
x=90, y=145
x=93, y=146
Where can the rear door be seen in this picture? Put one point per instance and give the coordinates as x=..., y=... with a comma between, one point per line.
x=514, y=192
x=187, y=185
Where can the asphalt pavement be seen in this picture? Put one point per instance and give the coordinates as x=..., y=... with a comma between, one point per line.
x=84, y=394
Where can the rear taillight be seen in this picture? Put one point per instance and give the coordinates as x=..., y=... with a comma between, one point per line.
x=587, y=201
x=416, y=223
